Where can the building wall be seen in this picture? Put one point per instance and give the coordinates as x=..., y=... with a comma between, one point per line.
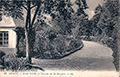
x=12, y=37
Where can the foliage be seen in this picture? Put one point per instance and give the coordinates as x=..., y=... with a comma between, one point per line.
x=105, y=26
x=16, y=9
x=64, y=16
x=0, y=13
x=54, y=48
x=75, y=26
x=61, y=12
x=2, y=54
x=75, y=43
x=104, y=19
x=81, y=5
x=11, y=62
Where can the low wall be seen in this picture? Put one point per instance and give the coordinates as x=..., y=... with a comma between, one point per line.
x=8, y=50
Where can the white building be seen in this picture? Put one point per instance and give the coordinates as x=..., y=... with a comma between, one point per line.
x=7, y=34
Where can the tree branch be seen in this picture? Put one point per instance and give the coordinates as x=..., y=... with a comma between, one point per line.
x=33, y=6
x=37, y=9
x=29, y=16
x=26, y=25
x=24, y=7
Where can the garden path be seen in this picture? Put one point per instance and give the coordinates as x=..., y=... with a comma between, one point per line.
x=92, y=56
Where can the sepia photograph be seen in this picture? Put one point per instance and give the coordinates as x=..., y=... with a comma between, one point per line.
x=59, y=38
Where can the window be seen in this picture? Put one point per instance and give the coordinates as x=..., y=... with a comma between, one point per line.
x=4, y=38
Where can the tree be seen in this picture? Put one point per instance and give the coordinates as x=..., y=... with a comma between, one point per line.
x=81, y=6
x=65, y=18
x=80, y=20
x=24, y=9
x=114, y=28
x=19, y=9
x=101, y=22
x=105, y=22
x=96, y=30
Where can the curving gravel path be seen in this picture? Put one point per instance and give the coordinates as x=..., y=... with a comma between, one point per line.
x=92, y=56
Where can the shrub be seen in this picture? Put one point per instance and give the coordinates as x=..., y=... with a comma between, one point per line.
x=47, y=54
x=60, y=45
x=2, y=54
x=68, y=48
x=51, y=45
x=55, y=54
x=55, y=48
x=75, y=43
x=41, y=46
x=11, y=62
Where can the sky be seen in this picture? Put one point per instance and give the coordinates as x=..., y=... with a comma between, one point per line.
x=92, y=4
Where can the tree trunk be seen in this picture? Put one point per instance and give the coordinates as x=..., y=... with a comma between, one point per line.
x=28, y=50
x=17, y=45
x=27, y=33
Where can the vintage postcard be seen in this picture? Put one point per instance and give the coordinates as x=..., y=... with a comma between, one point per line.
x=59, y=38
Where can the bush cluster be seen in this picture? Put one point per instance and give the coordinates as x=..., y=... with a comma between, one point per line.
x=11, y=62
x=51, y=45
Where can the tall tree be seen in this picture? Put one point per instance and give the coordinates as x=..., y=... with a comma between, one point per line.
x=80, y=19
x=101, y=22
x=23, y=9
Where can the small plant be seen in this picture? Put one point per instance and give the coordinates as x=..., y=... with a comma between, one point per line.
x=11, y=62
